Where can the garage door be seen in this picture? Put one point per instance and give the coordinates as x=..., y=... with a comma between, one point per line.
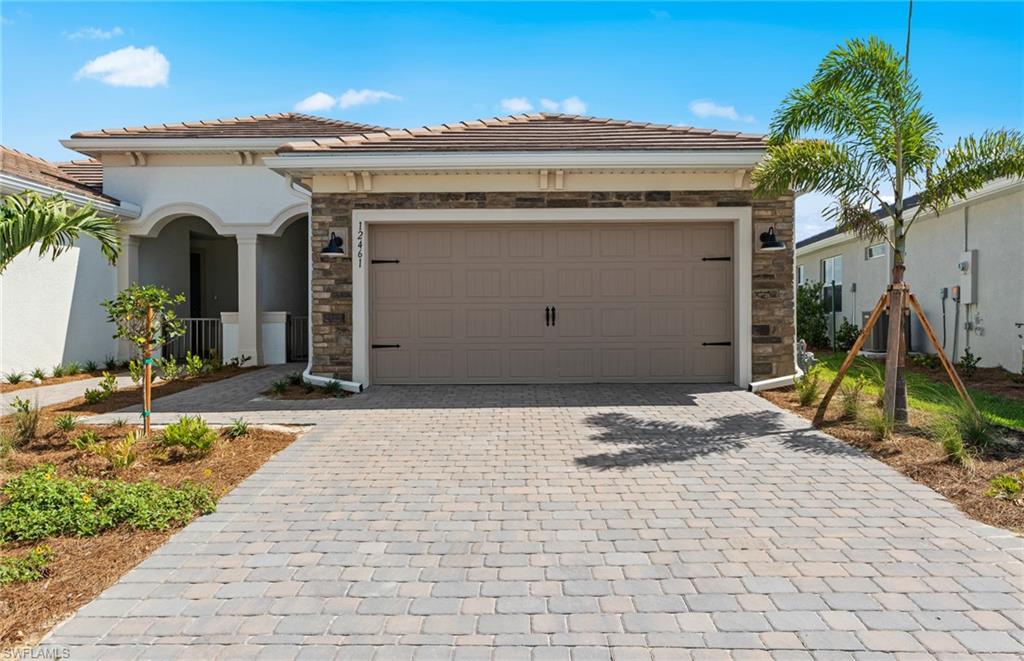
x=531, y=303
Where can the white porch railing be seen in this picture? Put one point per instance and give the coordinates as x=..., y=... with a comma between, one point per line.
x=203, y=336
x=298, y=338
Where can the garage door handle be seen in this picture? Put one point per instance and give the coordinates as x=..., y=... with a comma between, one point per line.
x=385, y=261
x=547, y=316
x=716, y=344
x=716, y=259
x=553, y=323
x=385, y=346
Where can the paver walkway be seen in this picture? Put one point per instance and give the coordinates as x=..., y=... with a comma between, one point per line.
x=44, y=395
x=558, y=522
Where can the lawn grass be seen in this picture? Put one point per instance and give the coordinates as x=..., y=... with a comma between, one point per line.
x=926, y=393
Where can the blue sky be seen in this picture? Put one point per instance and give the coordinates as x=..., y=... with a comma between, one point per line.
x=69, y=67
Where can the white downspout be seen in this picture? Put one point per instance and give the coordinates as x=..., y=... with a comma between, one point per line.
x=307, y=374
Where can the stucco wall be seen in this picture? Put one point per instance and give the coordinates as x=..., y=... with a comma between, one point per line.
x=50, y=310
x=772, y=273
x=284, y=270
x=871, y=276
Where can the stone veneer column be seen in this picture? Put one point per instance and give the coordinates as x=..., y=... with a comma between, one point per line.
x=248, y=298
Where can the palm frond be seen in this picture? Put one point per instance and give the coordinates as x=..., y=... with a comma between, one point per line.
x=53, y=224
x=972, y=162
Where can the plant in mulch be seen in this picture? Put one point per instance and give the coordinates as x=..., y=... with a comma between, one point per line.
x=194, y=364
x=295, y=379
x=968, y=363
x=14, y=378
x=135, y=371
x=65, y=422
x=279, y=387
x=807, y=385
x=31, y=566
x=119, y=453
x=26, y=421
x=333, y=388
x=72, y=368
x=110, y=363
x=926, y=360
x=850, y=397
x=58, y=371
x=949, y=437
x=238, y=428
x=85, y=441
x=91, y=366
x=190, y=435
x=39, y=373
x=107, y=387
x=169, y=368
x=40, y=504
x=876, y=423
x=1009, y=486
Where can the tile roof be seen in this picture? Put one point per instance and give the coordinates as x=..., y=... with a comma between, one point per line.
x=43, y=172
x=89, y=171
x=280, y=125
x=908, y=203
x=536, y=132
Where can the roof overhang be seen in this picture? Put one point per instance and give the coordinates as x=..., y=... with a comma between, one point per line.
x=314, y=162
x=96, y=146
x=13, y=185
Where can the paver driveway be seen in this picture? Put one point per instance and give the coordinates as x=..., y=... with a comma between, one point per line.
x=566, y=521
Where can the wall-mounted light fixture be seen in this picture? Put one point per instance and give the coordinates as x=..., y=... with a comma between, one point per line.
x=771, y=243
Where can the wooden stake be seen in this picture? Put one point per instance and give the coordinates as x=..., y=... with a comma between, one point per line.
x=892, y=355
x=950, y=370
x=147, y=361
x=876, y=314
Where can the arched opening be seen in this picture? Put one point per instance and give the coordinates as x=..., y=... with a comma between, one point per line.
x=284, y=282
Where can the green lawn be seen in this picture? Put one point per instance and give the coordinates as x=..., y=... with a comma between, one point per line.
x=926, y=394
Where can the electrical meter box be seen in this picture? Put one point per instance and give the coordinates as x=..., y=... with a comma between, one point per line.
x=968, y=268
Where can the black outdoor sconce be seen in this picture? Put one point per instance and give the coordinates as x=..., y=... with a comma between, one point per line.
x=771, y=243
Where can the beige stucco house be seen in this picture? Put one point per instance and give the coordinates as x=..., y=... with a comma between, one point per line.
x=522, y=249
x=975, y=245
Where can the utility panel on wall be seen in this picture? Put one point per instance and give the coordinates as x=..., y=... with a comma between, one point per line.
x=968, y=267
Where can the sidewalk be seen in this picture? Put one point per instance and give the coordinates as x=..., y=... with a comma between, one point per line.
x=57, y=393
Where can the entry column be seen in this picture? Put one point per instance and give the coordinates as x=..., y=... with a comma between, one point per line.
x=248, y=298
x=127, y=275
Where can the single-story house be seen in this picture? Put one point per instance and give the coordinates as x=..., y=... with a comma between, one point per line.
x=964, y=266
x=522, y=249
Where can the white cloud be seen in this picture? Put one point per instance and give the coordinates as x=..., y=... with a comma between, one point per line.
x=129, y=67
x=572, y=106
x=316, y=102
x=95, y=33
x=549, y=105
x=708, y=108
x=516, y=104
x=352, y=98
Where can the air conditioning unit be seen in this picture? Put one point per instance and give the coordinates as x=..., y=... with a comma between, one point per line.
x=877, y=341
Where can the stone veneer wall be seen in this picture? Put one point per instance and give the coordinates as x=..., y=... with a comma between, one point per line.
x=772, y=328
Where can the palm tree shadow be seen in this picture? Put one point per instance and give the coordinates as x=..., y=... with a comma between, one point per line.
x=651, y=442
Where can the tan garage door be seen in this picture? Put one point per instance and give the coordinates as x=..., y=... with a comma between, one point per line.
x=531, y=303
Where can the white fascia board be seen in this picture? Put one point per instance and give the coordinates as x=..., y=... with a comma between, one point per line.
x=313, y=162
x=12, y=185
x=172, y=145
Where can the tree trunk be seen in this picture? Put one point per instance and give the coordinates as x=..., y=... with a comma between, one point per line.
x=896, y=351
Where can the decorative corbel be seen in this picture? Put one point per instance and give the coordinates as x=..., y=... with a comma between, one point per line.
x=559, y=179
x=137, y=158
x=738, y=176
x=351, y=178
x=367, y=181
x=543, y=180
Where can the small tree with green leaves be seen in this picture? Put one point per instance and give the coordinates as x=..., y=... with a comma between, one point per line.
x=144, y=316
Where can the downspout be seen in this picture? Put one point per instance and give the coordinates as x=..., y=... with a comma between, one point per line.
x=307, y=374
x=777, y=382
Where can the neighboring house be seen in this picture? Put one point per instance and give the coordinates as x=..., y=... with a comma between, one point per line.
x=531, y=248
x=976, y=244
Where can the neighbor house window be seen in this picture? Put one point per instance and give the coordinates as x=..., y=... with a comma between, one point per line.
x=877, y=250
x=800, y=277
x=832, y=279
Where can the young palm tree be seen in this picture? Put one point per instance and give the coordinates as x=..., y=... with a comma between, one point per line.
x=857, y=132
x=54, y=224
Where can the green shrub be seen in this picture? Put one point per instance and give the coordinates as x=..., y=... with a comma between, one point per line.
x=850, y=396
x=6, y=443
x=874, y=421
x=926, y=360
x=66, y=422
x=26, y=421
x=21, y=405
x=110, y=363
x=808, y=386
x=1008, y=487
x=295, y=379
x=39, y=373
x=238, y=428
x=190, y=435
x=91, y=366
x=85, y=441
x=846, y=335
x=94, y=396
x=169, y=368
x=194, y=365
x=108, y=384
x=279, y=387
x=73, y=368
x=945, y=432
x=333, y=388
x=14, y=378
x=118, y=422
x=968, y=363
x=40, y=504
x=135, y=371
x=58, y=371
x=811, y=321
x=120, y=454
x=25, y=568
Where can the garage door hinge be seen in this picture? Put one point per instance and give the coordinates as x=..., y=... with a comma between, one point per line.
x=385, y=346
x=385, y=261
x=716, y=344
x=716, y=259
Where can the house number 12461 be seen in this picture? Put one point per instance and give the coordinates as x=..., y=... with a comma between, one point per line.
x=359, y=244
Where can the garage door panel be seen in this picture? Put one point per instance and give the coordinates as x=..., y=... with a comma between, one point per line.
x=633, y=302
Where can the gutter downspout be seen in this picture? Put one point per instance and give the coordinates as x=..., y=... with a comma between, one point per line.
x=307, y=374
x=777, y=382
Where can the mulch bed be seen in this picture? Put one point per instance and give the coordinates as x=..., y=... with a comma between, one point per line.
x=52, y=381
x=304, y=392
x=913, y=453
x=84, y=567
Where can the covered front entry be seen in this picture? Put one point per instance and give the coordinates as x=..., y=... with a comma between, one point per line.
x=540, y=303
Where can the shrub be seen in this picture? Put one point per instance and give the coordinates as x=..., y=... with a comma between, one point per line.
x=333, y=388
x=238, y=428
x=295, y=379
x=120, y=454
x=191, y=435
x=808, y=386
x=25, y=568
x=1008, y=487
x=850, y=396
x=66, y=422
x=39, y=373
x=110, y=363
x=118, y=422
x=135, y=370
x=73, y=368
x=926, y=360
x=169, y=368
x=874, y=421
x=279, y=387
x=14, y=378
x=58, y=371
x=94, y=396
x=240, y=361
x=811, y=321
x=846, y=335
x=108, y=384
x=41, y=504
x=6, y=443
x=194, y=365
x=946, y=433
x=974, y=429
x=85, y=441
x=91, y=366
x=26, y=421
x=968, y=363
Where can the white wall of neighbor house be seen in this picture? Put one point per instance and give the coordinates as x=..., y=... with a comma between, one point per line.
x=993, y=225
x=50, y=311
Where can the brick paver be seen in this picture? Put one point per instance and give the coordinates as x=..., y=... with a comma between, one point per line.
x=564, y=522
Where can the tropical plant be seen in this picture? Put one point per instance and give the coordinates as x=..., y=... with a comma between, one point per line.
x=333, y=388
x=811, y=323
x=65, y=422
x=238, y=428
x=58, y=371
x=94, y=395
x=135, y=370
x=85, y=441
x=846, y=335
x=91, y=366
x=120, y=454
x=53, y=224
x=191, y=435
x=857, y=132
x=108, y=384
x=39, y=373
x=110, y=363
x=194, y=364
x=73, y=368
x=14, y=378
